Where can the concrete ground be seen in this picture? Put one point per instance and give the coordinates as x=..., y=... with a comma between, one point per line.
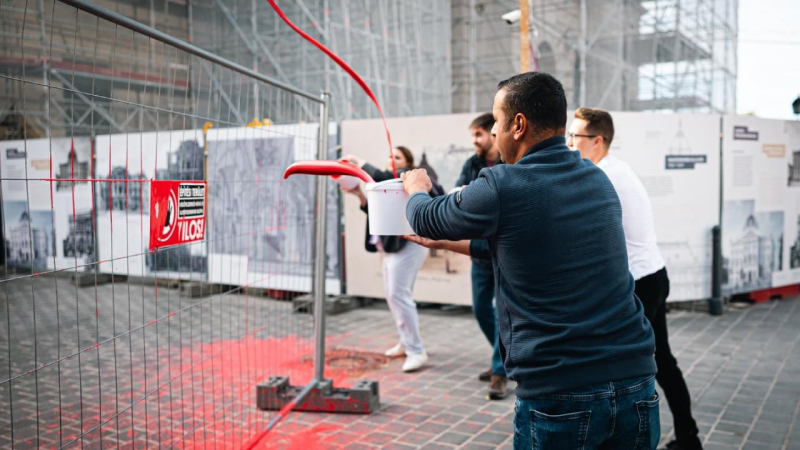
x=743, y=371
x=117, y=366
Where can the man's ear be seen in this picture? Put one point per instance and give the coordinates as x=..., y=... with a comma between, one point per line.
x=521, y=124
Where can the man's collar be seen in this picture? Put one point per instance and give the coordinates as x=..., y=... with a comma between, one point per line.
x=549, y=142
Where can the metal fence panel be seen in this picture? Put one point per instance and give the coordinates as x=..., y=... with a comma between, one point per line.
x=103, y=341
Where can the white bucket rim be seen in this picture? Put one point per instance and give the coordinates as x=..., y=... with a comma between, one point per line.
x=393, y=184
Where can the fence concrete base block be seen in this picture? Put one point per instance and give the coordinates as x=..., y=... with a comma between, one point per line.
x=254, y=292
x=194, y=289
x=170, y=283
x=333, y=305
x=362, y=398
x=691, y=305
x=83, y=279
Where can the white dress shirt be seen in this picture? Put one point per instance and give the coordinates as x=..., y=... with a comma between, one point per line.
x=644, y=257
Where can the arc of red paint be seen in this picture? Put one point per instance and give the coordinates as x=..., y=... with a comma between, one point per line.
x=353, y=74
x=333, y=168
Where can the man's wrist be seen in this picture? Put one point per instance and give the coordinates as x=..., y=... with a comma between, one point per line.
x=415, y=192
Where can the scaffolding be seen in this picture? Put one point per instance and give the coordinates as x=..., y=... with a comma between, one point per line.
x=632, y=55
x=43, y=49
x=401, y=48
x=420, y=57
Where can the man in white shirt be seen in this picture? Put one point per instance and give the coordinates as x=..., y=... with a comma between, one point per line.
x=591, y=133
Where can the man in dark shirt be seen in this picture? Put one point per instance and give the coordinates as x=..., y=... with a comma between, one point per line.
x=572, y=332
x=486, y=155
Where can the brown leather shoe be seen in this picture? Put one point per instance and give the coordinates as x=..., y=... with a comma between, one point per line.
x=486, y=375
x=498, y=387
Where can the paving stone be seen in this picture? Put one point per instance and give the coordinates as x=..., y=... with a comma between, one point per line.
x=469, y=427
x=447, y=418
x=715, y=446
x=491, y=438
x=766, y=438
x=432, y=427
x=481, y=418
x=453, y=438
x=359, y=446
x=397, y=446
x=733, y=427
x=415, y=438
x=725, y=438
x=436, y=446
x=478, y=446
x=760, y=446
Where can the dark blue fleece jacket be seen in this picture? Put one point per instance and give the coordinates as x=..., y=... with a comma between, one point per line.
x=553, y=222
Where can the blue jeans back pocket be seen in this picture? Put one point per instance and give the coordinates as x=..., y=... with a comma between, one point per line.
x=562, y=432
x=649, y=424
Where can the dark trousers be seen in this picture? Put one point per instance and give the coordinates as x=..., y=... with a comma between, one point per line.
x=653, y=291
x=485, y=311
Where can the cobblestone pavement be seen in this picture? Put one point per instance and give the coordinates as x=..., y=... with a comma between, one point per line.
x=743, y=371
x=181, y=373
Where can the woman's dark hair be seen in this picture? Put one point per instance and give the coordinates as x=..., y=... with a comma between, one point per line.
x=407, y=155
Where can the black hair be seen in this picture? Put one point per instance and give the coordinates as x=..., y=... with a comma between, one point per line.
x=539, y=97
x=484, y=121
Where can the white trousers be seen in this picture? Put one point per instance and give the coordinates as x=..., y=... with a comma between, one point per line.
x=399, y=274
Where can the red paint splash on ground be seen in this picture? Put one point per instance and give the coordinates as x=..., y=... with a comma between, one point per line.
x=316, y=437
x=201, y=397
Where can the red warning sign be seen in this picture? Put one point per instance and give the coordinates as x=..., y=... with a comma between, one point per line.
x=177, y=212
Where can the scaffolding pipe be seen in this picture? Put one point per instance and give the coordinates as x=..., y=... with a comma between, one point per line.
x=582, y=93
x=150, y=32
x=524, y=37
x=473, y=43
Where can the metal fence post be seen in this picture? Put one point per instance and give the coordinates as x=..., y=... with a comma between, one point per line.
x=715, y=302
x=319, y=395
x=318, y=289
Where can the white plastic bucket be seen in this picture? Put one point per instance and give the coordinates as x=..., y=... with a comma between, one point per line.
x=346, y=182
x=387, y=208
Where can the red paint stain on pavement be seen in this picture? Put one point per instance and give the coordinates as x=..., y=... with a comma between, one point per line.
x=203, y=396
x=305, y=439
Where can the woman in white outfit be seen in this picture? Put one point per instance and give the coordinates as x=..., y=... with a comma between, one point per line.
x=401, y=262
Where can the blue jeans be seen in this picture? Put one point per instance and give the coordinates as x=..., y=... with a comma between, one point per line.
x=485, y=312
x=619, y=415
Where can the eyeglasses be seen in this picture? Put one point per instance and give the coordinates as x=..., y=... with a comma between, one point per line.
x=573, y=135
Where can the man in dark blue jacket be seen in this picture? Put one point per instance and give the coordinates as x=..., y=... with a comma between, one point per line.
x=573, y=334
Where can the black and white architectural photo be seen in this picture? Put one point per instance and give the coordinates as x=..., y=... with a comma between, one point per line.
x=28, y=235
x=751, y=246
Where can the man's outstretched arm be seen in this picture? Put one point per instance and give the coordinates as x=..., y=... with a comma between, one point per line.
x=478, y=249
x=472, y=213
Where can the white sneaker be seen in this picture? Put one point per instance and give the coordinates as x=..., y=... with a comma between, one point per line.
x=415, y=361
x=397, y=350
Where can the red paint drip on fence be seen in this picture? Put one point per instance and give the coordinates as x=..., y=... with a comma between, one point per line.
x=72, y=185
x=91, y=174
x=52, y=204
x=110, y=196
